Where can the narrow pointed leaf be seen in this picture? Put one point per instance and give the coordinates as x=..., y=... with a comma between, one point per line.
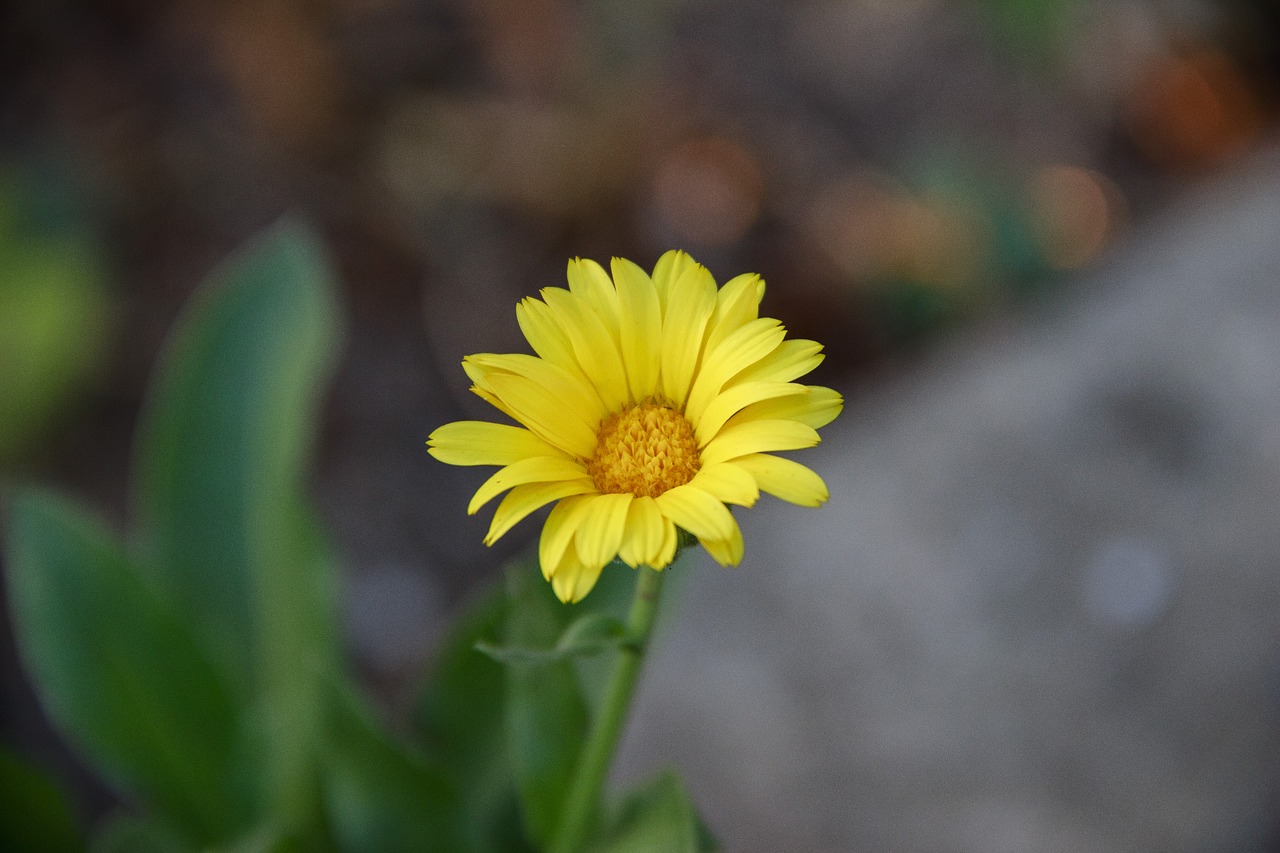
x=657, y=816
x=219, y=473
x=228, y=426
x=118, y=671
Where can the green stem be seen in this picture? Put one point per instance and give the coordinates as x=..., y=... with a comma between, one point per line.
x=583, y=800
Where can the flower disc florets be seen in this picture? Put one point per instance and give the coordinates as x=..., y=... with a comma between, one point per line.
x=644, y=450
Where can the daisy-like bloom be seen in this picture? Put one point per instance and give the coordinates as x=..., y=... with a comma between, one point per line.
x=652, y=403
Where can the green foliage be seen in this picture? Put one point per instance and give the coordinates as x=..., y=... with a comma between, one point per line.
x=188, y=670
x=54, y=312
x=127, y=833
x=657, y=816
x=223, y=445
x=379, y=794
x=119, y=671
x=459, y=718
x=546, y=711
x=222, y=453
x=197, y=668
x=36, y=815
x=513, y=733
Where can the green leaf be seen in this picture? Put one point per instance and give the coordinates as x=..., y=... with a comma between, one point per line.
x=459, y=719
x=657, y=816
x=54, y=319
x=459, y=710
x=118, y=671
x=219, y=477
x=380, y=794
x=546, y=713
x=35, y=815
x=223, y=441
x=127, y=833
x=590, y=634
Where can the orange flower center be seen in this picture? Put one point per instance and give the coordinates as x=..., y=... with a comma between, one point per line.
x=644, y=450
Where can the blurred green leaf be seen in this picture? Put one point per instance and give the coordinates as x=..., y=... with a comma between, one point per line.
x=223, y=443
x=118, y=670
x=53, y=322
x=546, y=713
x=657, y=816
x=35, y=815
x=127, y=833
x=459, y=718
x=379, y=794
x=589, y=634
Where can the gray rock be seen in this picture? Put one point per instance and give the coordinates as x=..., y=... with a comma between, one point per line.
x=1040, y=610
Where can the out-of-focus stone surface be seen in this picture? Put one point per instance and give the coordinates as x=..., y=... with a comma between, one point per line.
x=1040, y=611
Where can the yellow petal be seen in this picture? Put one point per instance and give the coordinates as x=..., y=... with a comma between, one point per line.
x=726, y=552
x=791, y=360
x=737, y=303
x=733, y=400
x=817, y=408
x=559, y=529
x=785, y=479
x=758, y=437
x=483, y=443
x=565, y=577
x=545, y=335
x=523, y=500
x=727, y=483
x=746, y=346
x=600, y=531
x=667, y=271
x=593, y=345
x=643, y=538
x=535, y=469
x=570, y=389
x=492, y=399
x=689, y=307
x=586, y=582
x=573, y=579
x=667, y=552
x=697, y=512
x=591, y=283
x=641, y=327
x=551, y=419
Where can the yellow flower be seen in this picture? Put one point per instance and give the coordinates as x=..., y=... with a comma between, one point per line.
x=650, y=405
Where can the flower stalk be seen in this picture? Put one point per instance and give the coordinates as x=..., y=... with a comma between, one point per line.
x=583, y=800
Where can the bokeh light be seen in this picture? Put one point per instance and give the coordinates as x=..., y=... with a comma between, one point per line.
x=708, y=191
x=1078, y=212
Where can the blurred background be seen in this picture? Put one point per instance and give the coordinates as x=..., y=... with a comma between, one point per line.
x=988, y=211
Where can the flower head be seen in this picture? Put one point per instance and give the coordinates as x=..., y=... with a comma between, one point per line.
x=651, y=403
